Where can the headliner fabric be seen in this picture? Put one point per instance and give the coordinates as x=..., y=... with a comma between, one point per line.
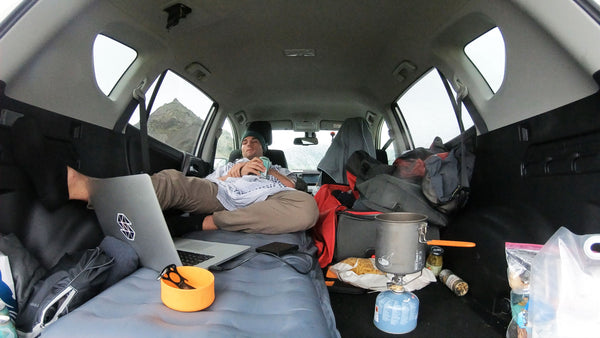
x=261, y=298
x=353, y=135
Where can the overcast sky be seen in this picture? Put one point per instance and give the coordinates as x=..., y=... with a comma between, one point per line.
x=6, y=6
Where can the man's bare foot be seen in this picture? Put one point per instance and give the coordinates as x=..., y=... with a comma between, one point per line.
x=78, y=184
x=208, y=223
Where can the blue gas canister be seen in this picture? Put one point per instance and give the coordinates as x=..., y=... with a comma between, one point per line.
x=396, y=311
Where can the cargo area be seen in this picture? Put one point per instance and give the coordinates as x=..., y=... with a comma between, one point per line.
x=515, y=197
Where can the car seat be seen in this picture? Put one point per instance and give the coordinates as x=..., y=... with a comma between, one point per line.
x=276, y=156
x=353, y=135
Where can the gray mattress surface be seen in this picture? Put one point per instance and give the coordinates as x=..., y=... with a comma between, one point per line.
x=263, y=297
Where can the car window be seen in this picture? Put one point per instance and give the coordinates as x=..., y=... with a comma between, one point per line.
x=225, y=145
x=428, y=112
x=591, y=7
x=7, y=6
x=488, y=54
x=111, y=60
x=384, y=137
x=177, y=113
x=302, y=157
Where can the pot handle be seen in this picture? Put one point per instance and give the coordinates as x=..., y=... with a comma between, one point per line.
x=459, y=244
x=423, y=233
x=423, y=239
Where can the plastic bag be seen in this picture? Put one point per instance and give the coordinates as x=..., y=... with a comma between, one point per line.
x=564, y=292
x=519, y=258
x=361, y=272
x=7, y=287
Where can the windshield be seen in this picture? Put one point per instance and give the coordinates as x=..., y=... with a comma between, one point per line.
x=300, y=157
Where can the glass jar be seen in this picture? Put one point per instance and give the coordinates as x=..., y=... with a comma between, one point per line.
x=434, y=260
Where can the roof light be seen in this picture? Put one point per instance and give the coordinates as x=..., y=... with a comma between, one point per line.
x=299, y=52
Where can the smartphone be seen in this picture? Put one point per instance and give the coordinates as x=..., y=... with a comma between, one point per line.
x=278, y=248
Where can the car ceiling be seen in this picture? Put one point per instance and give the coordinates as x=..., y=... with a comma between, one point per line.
x=356, y=50
x=358, y=46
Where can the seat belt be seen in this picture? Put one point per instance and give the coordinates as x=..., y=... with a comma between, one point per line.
x=457, y=105
x=139, y=96
x=464, y=180
x=387, y=144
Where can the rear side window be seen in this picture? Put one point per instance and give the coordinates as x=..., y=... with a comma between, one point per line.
x=385, y=142
x=427, y=111
x=488, y=54
x=7, y=6
x=111, y=60
x=177, y=113
x=225, y=144
x=592, y=7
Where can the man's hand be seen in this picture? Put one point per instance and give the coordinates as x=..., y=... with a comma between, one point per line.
x=253, y=167
x=235, y=171
x=283, y=179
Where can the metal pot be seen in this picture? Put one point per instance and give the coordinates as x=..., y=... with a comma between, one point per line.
x=400, y=243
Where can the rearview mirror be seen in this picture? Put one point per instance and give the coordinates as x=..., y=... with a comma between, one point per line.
x=306, y=141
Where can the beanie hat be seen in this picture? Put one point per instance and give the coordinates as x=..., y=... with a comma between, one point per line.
x=258, y=136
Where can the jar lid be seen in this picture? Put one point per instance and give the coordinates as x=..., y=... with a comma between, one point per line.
x=437, y=250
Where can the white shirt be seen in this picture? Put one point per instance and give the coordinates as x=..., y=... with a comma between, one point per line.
x=240, y=192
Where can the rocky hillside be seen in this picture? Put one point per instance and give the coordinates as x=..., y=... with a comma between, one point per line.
x=177, y=126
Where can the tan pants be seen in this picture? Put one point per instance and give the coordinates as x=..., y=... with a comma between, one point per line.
x=286, y=211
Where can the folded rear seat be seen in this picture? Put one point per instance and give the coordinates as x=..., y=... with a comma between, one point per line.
x=263, y=297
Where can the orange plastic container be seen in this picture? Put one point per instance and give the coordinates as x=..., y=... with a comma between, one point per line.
x=192, y=299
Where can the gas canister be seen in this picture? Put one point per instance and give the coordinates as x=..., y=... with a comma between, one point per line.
x=396, y=311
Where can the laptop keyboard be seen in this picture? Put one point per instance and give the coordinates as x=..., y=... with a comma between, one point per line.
x=192, y=258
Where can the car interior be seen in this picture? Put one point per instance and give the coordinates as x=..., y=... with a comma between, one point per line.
x=123, y=87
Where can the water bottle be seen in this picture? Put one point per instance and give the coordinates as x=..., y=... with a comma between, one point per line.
x=7, y=327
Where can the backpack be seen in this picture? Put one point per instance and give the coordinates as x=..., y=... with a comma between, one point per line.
x=408, y=185
x=387, y=193
x=446, y=180
x=433, y=182
x=334, y=201
x=73, y=280
x=324, y=231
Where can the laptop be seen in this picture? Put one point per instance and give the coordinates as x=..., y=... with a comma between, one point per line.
x=127, y=209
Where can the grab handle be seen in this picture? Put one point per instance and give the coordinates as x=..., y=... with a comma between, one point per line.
x=591, y=247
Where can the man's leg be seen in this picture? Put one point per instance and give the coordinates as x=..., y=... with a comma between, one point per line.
x=46, y=171
x=172, y=188
x=286, y=211
x=189, y=194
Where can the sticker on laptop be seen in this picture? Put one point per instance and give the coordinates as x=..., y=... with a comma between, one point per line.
x=125, y=226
